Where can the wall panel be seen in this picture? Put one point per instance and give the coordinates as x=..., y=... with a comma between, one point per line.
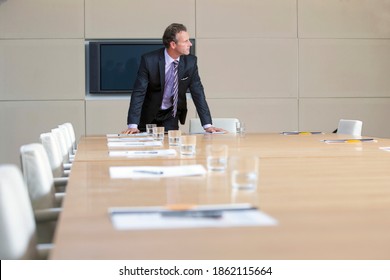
x=344, y=68
x=136, y=19
x=246, y=19
x=42, y=19
x=21, y=122
x=344, y=18
x=269, y=69
x=42, y=69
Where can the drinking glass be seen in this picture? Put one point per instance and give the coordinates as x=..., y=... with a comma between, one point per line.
x=174, y=137
x=149, y=128
x=216, y=157
x=244, y=172
x=188, y=145
x=240, y=128
x=158, y=133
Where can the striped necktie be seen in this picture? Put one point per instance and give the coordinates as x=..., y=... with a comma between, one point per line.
x=175, y=95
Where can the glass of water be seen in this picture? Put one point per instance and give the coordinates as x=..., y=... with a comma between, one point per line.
x=217, y=157
x=158, y=133
x=240, y=128
x=244, y=172
x=174, y=137
x=149, y=128
x=188, y=145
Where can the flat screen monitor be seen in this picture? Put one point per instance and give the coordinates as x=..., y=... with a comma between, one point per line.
x=112, y=65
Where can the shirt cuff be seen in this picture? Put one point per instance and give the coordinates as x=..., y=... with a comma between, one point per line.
x=132, y=125
x=206, y=126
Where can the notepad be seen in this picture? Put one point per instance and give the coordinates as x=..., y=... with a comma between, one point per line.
x=217, y=216
x=143, y=153
x=143, y=172
x=329, y=141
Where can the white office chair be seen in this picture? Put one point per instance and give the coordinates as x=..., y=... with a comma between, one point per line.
x=72, y=135
x=59, y=135
x=68, y=140
x=350, y=127
x=54, y=154
x=229, y=124
x=18, y=239
x=41, y=188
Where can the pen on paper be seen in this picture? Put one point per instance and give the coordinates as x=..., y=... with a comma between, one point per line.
x=157, y=172
x=215, y=214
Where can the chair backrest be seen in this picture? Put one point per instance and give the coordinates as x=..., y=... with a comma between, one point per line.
x=38, y=176
x=351, y=127
x=229, y=124
x=54, y=153
x=67, y=137
x=72, y=134
x=17, y=225
x=62, y=142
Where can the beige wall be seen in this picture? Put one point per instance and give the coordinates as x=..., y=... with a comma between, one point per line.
x=276, y=64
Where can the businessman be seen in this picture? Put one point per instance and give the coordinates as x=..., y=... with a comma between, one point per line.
x=164, y=75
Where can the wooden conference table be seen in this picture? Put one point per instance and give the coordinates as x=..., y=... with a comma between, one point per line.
x=331, y=201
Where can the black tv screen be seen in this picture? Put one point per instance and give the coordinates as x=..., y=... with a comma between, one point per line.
x=112, y=65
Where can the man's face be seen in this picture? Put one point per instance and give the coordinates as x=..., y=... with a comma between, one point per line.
x=183, y=45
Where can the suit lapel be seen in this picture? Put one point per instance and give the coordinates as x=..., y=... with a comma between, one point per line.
x=161, y=66
x=181, y=68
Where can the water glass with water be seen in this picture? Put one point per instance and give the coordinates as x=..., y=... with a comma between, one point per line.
x=217, y=156
x=188, y=145
x=149, y=128
x=240, y=128
x=174, y=137
x=158, y=133
x=244, y=172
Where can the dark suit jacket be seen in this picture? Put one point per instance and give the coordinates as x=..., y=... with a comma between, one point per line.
x=148, y=92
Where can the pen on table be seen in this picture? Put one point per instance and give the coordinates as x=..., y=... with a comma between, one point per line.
x=145, y=152
x=157, y=172
x=215, y=214
x=348, y=140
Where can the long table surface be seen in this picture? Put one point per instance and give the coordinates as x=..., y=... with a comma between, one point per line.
x=331, y=201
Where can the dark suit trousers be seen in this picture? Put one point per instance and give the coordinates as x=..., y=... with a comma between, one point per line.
x=164, y=118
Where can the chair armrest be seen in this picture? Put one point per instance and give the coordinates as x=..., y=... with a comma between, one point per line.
x=47, y=215
x=60, y=184
x=61, y=181
x=67, y=166
x=59, y=197
x=43, y=250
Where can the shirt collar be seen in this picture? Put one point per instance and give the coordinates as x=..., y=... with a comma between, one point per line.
x=168, y=59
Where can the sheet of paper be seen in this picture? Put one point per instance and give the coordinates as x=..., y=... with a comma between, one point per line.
x=127, y=135
x=143, y=153
x=129, y=139
x=217, y=132
x=387, y=149
x=144, y=218
x=137, y=172
x=134, y=144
